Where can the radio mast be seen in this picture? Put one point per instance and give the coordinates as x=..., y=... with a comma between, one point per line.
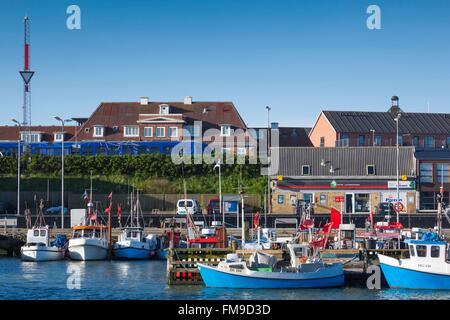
x=26, y=75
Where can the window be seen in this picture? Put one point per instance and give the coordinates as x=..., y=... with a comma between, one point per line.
x=415, y=141
x=371, y=170
x=308, y=197
x=448, y=142
x=131, y=132
x=362, y=202
x=280, y=199
x=443, y=173
x=164, y=109
x=400, y=140
x=362, y=140
x=421, y=251
x=378, y=140
x=148, y=132
x=323, y=199
x=225, y=130
x=58, y=137
x=322, y=141
x=43, y=233
x=242, y=151
x=411, y=251
x=30, y=137
x=193, y=131
x=173, y=132
x=426, y=172
x=306, y=170
x=99, y=131
x=429, y=142
x=344, y=140
x=435, y=251
x=36, y=233
x=160, y=132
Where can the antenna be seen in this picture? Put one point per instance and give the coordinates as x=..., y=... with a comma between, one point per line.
x=428, y=106
x=26, y=75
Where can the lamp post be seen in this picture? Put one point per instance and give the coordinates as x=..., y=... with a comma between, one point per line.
x=268, y=165
x=18, y=167
x=218, y=164
x=397, y=119
x=62, y=169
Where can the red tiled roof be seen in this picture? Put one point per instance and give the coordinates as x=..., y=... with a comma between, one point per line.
x=110, y=114
x=11, y=133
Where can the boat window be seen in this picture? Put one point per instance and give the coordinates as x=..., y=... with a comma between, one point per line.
x=36, y=233
x=411, y=251
x=237, y=266
x=88, y=233
x=97, y=233
x=43, y=233
x=134, y=234
x=421, y=251
x=435, y=251
x=77, y=234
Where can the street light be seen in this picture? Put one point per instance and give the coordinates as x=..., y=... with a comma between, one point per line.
x=268, y=165
x=397, y=120
x=220, y=192
x=18, y=167
x=62, y=169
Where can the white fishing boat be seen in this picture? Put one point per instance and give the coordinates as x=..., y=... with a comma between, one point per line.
x=38, y=246
x=89, y=243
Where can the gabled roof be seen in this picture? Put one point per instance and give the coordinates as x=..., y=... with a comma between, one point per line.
x=346, y=162
x=383, y=122
x=111, y=114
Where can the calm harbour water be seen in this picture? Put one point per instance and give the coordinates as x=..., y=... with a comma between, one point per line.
x=147, y=280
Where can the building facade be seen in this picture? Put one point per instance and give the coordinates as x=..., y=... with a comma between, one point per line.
x=362, y=177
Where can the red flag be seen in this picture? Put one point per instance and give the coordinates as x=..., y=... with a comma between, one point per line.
x=110, y=196
x=119, y=210
x=108, y=210
x=256, y=220
x=371, y=216
x=327, y=228
x=335, y=218
x=93, y=216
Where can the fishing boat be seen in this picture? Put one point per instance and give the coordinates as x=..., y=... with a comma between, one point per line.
x=428, y=266
x=38, y=246
x=133, y=243
x=89, y=243
x=303, y=272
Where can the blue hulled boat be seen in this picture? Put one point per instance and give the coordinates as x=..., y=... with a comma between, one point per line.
x=262, y=272
x=427, y=267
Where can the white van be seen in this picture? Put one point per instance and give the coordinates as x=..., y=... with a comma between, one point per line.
x=192, y=206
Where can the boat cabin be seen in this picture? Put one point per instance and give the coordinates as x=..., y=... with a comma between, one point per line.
x=421, y=250
x=299, y=253
x=38, y=235
x=131, y=233
x=88, y=232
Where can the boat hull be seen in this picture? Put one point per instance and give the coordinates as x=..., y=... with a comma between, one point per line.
x=88, y=249
x=39, y=253
x=212, y=277
x=398, y=277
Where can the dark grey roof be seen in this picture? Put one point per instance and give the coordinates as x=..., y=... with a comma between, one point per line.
x=346, y=162
x=383, y=122
x=433, y=154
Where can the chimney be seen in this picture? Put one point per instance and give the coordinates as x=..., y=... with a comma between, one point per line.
x=188, y=100
x=144, y=100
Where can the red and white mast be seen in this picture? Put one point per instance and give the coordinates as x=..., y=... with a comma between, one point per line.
x=26, y=75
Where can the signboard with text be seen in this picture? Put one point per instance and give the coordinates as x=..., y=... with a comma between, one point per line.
x=401, y=185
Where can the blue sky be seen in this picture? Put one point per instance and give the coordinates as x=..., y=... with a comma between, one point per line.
x=298, y=56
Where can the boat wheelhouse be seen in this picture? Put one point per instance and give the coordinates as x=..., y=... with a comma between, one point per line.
x=89, y=243
x=39, y=248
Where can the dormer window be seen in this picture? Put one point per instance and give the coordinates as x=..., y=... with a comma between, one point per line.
x=306, y=170
x=58, y=137
x=30, y=137
x=99, y=131
x=371, y=170
x=131, y=131
x=225, y=130
x=164, y=109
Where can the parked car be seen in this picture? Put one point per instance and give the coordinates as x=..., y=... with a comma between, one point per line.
x=56, y=210
x=191, y=205
x=385, y=208
x=7, y=208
